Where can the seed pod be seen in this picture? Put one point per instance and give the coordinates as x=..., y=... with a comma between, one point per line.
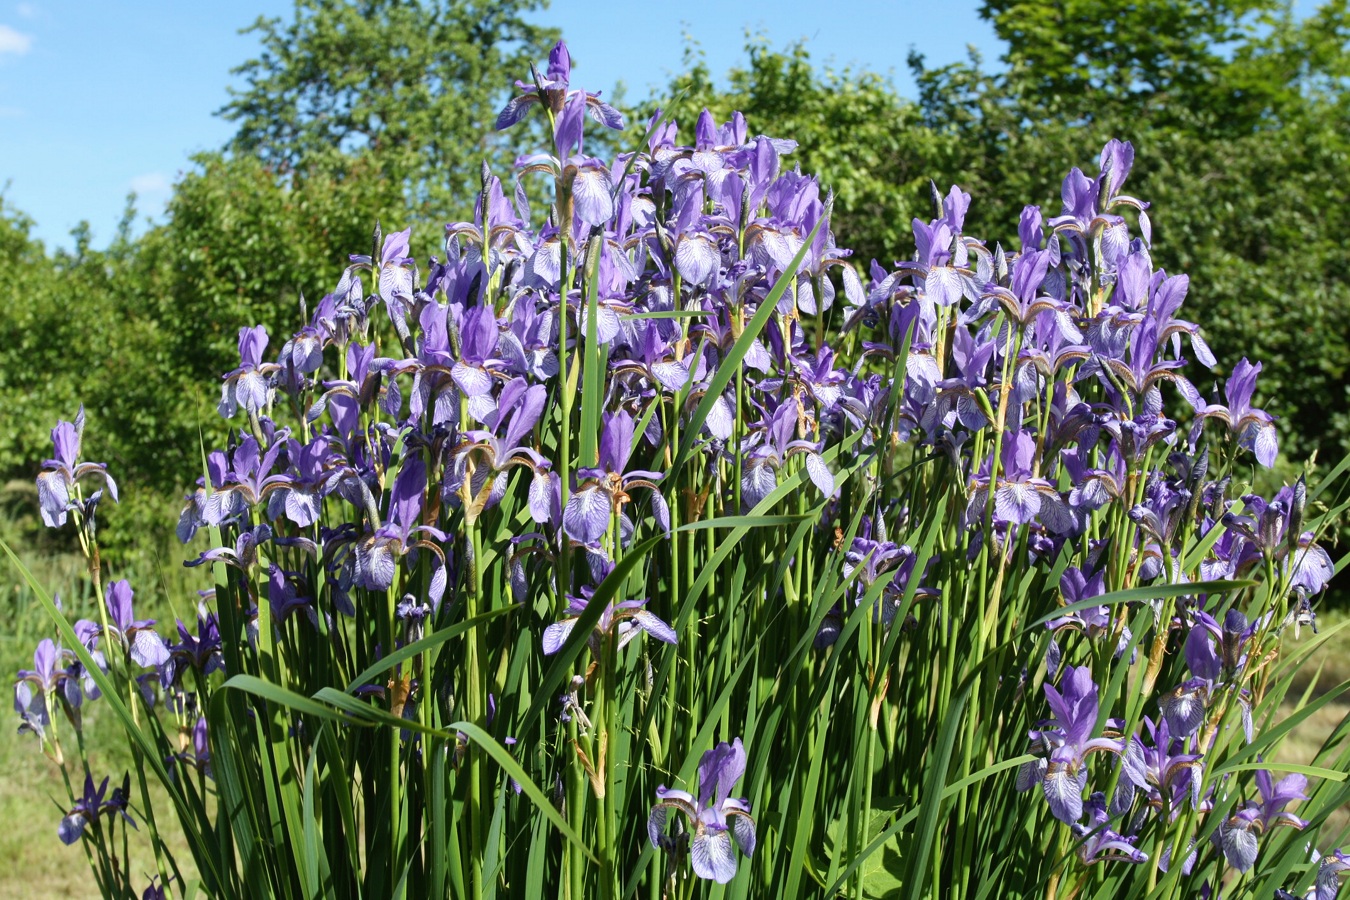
x=1297, y=506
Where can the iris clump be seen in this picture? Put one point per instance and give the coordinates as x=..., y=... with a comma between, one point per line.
x=903, y=539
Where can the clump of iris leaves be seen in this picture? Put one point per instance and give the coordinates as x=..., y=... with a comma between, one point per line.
x=643, y=545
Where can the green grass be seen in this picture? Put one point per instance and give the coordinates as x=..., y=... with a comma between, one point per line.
x=32, y=793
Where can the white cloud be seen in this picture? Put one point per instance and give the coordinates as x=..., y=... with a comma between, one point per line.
x=15, y=42
x=151, y=183
x=153, y=190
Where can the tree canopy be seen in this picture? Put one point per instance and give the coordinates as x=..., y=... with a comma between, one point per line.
x=415, y=84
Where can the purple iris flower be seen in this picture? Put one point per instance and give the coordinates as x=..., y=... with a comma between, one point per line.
x=1170, y=774
x=769, y=446
x=1184, y=707
x=303, y=353
x=287, y=592
x=376, y=555
x=473, y=371
x=489, y=242
x=552, y=91
x=604, y=489
x=529, y=345
x=716, y=818
x=250, y=385
x=414, y=613
x=1094, y=622
x=201, y=650
x=942, y=261
x=298, y=496
x=615, y=274
x=1020, y=496
x=240, y=481
x=394, y=278
x=60, y=474
x=1167, y=295
x=91, y=805
x=244, y=554
x=368, y=376
x=971, y=355
x=199, y=755
x=698, y=256
x=627, y=619
x=1255, y=428
x=1143, y=371
x=865, y=562
x=1025, y=300
x=820, y=379
x=1086, y=201
x=137, y=636
x=1265, y=529
x=56, y=676
x=1328, y=884
x=1100, y=842
x=477, y=475
x=586, y=179
x=1239, y=835
x=654, y=361
x=1063, y=775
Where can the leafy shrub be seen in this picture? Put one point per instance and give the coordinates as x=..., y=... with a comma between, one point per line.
x=643, y=544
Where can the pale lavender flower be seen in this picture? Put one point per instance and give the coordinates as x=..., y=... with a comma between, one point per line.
x=716, y=818
x=250, y=386
x=60, y=474
x=627, y=619
x=136, y=636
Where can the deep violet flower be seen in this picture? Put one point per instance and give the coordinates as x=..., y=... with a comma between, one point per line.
x=1020, y=496
x=480, y=464
x=198, y=756
x=56, y=676
x=1101, y=842
x=552, y=91
x=376, y=555
x=1062, y=776
x=770, y=445
x=1255, y=428
x=715, y=817
x=1239, y=835
x=91, y=805
x=1328, y=885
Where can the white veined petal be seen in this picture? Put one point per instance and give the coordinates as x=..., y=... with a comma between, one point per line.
x=712, y=856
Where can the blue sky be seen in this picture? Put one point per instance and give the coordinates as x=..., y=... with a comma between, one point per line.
x=101, y=98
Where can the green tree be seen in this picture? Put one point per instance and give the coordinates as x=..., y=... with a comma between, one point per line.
x=76, y=331
x=242, y=246
x=1240, y=146
x=416, y=83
